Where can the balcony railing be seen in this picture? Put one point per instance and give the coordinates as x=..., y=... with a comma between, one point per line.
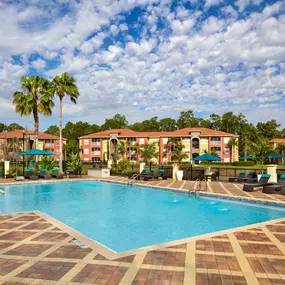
x=132, y=142
x=97, y=152
x=48, y=145
x=96, y=144
x=132, y=152
x=216, y=142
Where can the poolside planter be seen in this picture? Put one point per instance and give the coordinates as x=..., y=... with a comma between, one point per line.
x=179, y=175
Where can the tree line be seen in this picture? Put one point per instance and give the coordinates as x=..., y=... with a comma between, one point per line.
x=250, y=135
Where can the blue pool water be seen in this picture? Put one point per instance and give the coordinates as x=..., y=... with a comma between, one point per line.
x=122, y=217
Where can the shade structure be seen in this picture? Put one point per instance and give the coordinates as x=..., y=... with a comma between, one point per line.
x=247, y=157
x=276, y=156
x=36, y=152
x=206, y=157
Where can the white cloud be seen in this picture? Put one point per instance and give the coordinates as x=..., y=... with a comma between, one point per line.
x=39, y=63
x=242, y=4
x=189, y=62
x=210, y=3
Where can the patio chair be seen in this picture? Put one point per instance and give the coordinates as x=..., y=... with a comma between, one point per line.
x=43, y=174
x=236, y=179
x=137, y=175
x=277, y=188
x=251, y=178
x=29, y=174
x=160, y=174
x=149, y=175
x=55, y=174
x=249, y=187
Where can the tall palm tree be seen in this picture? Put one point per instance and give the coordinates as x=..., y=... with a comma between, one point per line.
x=36, y=98
x=64, y=86
x=148, y=151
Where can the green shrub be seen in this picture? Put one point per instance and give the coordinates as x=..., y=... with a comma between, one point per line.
x=243, y=163
x=128, y=173
x=115, y=171
x=123, y=164
x=47, y=162
x=84, y=172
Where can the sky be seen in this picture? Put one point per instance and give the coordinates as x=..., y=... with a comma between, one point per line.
x=145, y=58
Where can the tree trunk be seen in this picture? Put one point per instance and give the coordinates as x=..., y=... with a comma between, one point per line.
x=60, y=134
x=36, y=119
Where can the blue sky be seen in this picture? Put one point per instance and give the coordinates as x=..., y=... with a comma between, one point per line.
x=143, y=58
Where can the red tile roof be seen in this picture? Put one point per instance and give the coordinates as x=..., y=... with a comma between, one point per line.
x=179, y=133
x=19, y=134
x=277, y=141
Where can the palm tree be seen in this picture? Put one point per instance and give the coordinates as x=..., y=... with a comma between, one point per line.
x=280, y=149
x=177, y=150
x=122, y=149
x=64, y=86
x=35, y=99
x=148, y=151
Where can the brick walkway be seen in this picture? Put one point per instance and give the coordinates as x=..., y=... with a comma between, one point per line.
x=34, y=250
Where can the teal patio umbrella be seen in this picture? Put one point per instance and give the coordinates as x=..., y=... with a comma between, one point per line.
x=247, y=157
x=35, y=152
x=206, y=157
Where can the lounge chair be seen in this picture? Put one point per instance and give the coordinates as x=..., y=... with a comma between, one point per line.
x=160, y=174
x=251, y=177
x=277, y=188
x=236, y=179
x=29, y=174
x=249, y=187
x=137, y=175
x=56, y=174
x=149, y=175
x=43, y=174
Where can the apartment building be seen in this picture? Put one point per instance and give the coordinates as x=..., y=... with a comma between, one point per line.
x=277, y=142
x=18, y=140
x=104, y=145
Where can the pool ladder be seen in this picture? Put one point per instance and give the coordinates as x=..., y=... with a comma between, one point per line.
x=197, y=187
x=130, y=183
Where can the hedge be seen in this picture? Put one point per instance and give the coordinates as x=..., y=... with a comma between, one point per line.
x=243, y=163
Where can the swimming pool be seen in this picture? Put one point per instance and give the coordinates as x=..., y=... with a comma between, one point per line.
x=122, y=217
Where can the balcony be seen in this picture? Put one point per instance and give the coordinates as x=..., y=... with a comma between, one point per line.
x=96, y=144
x=96, y=152
x=48, y=145
x=132, y=152
x=132, y=142
x=215, y=142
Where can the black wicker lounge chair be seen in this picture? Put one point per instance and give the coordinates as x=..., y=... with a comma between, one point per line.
x=249, y=187
x=160, y=174
x=43, y=174
x=277, y=188
x=251, y=178
x=56, y=174
x=236, y=179
x=29, y=174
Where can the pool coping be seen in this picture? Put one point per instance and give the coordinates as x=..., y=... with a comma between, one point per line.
x=111, y=254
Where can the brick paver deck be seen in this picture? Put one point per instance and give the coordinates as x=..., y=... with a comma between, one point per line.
x=33, y=250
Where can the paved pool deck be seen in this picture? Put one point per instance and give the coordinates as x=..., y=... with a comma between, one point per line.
x=37, y=250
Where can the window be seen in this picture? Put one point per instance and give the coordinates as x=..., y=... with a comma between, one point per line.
x=165, y=159
x=141, y=141
x=165, y=140
x=227, y=160
x=132, y=141
x=86, y=151
x=96, y=142
x=96, y=159
x=226, y=140
x=195, y=143
x=86, y=142
x=86, y=159
x=216, y=140
x=226, y=150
